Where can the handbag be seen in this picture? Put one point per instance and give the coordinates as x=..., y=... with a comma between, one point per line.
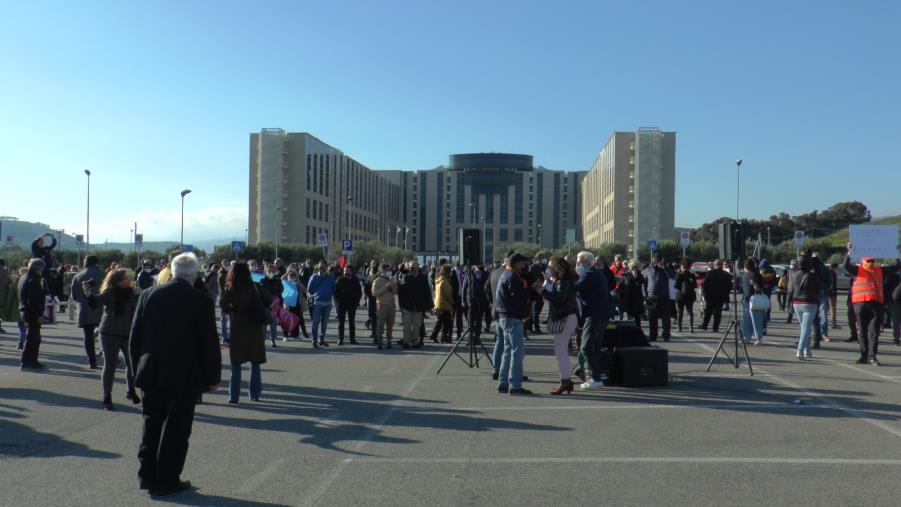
x=554, y=326
x=263, y=315
x=759, y=302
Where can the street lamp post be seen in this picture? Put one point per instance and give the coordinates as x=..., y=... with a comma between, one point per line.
x=350, y=216
x=87, y=243
x=406, y=232
x=183, y=194
x=539, y=235
x=278, y=211
x=737, y=186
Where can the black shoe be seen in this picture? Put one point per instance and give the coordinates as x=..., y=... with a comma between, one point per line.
x=323, y=343
x=388, y=346
x=145, y=485
x=233, y=401
x=32, y=366
x=92, y=366
x=666, y=338
x=862, y=360
x=315, y=345
x=703, y=328
x=494, y=376
x=503, y=389
x=379, y=346
x=417, y=345
x=405, y=346
x=341, y=341
x=178, y=487
x=852, y=339
x=580, y=372
x=274, y=345
x=108, y=403
x=519, y=390
x=525, y=378
x=353, y=342
x=133, y=396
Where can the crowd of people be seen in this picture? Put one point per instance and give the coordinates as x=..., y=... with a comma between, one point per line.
x=139, y=315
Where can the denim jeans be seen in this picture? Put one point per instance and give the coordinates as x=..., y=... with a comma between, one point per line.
x=256, y=382
x=498, y=348
x=22, y=331
x=273, y=330
x=591, y=356
x=805, y=313
x=751, y=321
x=823, y=312
x=510, y=372
x=224, y=321
x=321, y=313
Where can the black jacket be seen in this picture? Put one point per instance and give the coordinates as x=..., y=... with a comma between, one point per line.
x=273, y=287
x=512, y=297
x=716, y=286
x=562, y=299
x=348, y=292
x=31, y=296
x=414, y=294
x=173, y=343
x=686, y=283
x=145, y=280
x=43, y=253
x=474, y=289
x=805, y=286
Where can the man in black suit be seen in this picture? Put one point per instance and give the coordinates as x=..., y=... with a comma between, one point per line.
x=175, y=350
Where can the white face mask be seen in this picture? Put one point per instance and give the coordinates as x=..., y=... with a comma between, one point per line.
x=581, y=269
x=548, y=273
x=147, y=270
x=389, y=274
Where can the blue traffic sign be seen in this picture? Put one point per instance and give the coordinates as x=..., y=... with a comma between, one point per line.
x=347, y=245
x=187, y=248
x=652, y=244
x=237, y=246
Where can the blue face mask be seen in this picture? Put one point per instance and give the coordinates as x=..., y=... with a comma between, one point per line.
x=581, y=269
x=548, y=273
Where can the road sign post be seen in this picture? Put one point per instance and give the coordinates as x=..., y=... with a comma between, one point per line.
x=799, y=240
x=685, y=241
x=237, y=247
x=652, y=245
x=323, y=242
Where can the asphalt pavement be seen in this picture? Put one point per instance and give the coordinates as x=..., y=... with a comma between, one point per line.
x=351, y=425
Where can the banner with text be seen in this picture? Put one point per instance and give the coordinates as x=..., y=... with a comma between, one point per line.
x=877, y=241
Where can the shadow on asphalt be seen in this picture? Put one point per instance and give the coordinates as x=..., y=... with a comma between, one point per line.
x=194, y=497
x=18, y=440
x=304, y=408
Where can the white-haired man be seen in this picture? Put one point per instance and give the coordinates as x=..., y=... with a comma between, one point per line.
x=175, y=350
x=596, y=310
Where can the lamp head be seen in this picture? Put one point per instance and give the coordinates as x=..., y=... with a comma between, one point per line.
x=738, y=162
x=87, y=172
x=185, y=192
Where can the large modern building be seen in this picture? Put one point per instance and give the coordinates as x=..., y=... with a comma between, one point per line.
x=300, y=187
x=628, y=195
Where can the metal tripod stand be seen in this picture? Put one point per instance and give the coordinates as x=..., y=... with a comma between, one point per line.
x=473, y=361
x=741, y=348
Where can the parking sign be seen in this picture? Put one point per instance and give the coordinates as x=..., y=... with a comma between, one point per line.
x=323, y=239
x=347, y=246
x=685, y=239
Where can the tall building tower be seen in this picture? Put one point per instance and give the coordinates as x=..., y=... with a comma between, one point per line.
x=301, y=187
x=628, y=195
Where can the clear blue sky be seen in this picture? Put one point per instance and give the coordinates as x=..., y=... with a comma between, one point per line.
x=155, y=97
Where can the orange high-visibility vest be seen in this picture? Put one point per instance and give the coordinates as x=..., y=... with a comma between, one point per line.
x=867, y=285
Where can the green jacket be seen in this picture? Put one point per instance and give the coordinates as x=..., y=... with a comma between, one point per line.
x=10, y=311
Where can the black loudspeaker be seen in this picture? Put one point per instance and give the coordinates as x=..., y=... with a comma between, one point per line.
x=732, y=241
x=469, y=243
x=624, y=333
x=641, y=367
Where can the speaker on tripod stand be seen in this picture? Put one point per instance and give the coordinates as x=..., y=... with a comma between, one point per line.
x=732, y=248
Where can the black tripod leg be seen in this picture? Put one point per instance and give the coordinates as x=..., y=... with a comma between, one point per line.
x=720, y=348
x=453, y=351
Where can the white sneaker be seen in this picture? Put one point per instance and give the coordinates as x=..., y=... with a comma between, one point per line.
x=807, y=354
x=799, y=355
x=284, y=339
x=759, y=342
x=592, y=385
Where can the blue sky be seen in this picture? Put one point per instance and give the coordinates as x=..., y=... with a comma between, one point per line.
x=155, y=97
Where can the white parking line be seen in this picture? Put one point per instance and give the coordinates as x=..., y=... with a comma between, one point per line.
x=626, y=459
x=649, y=406
x=258, y=478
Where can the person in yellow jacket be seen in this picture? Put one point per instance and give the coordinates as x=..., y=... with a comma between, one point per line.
x=166, y=273
x=444, y=305
x=867, y=299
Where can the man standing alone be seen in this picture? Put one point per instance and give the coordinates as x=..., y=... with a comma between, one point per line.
x=512, y=307
x=175, y=350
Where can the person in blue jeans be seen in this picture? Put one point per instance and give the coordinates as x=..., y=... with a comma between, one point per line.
x=751, y=321
x=321, y=289
x=248, y=344
x=512, y=307
x=806, y=295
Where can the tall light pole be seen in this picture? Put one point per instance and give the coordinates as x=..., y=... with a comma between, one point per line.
x=87, y=243
x=737, y=186
x=539, y=235
x=350, y=215
x=484, y=244
x=278, y=211
x=406, y=232
x=183, y=194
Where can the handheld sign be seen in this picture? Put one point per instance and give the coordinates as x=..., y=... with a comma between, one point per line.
x=877, y=241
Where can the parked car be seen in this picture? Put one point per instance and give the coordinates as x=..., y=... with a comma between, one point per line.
x=700, y=270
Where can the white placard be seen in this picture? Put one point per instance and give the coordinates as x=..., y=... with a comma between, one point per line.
x=877, y=241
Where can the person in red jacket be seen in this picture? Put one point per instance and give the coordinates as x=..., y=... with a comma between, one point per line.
x=867, y=298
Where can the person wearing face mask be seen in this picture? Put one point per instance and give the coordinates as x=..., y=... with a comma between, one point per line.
x=511, y=303
x=347, y=298
x=321, y=290
x=273, y=286
x=596, y=310
x=224, y=317
x=118, y=300
x=145, y=275
x=384, y=289
x=868, y=297
x=302, y=305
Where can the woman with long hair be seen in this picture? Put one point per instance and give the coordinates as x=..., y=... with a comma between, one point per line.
x=751, y=320
x=806, y=292
x=118, y=299
x=686, y=294
x=560, y=292
x=241, y=299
